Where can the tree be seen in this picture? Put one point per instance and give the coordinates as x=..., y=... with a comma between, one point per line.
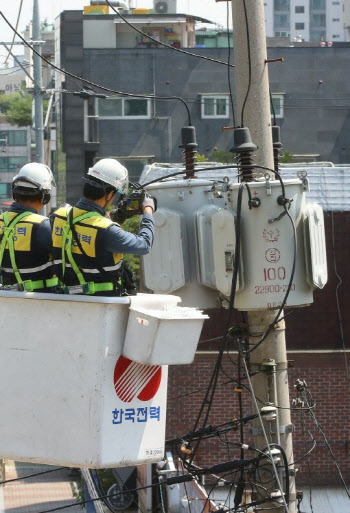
x=17, y=108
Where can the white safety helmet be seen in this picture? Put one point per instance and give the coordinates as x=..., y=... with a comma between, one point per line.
x=111, y=172
x=34, y=177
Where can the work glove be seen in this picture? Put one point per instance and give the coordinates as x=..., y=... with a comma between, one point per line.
x=149, y=201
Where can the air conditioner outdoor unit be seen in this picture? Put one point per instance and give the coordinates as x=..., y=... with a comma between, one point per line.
x=164, y=6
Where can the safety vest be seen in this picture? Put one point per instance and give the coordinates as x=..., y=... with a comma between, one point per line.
x=22, y=260
x=78, y=250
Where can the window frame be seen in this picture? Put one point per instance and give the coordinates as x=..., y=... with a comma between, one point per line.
x=279, y=96
x=215, y=96
x=123, y=116
x=10, y=137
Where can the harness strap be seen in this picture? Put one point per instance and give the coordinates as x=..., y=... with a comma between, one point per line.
x=8, y=238
x=69, y=233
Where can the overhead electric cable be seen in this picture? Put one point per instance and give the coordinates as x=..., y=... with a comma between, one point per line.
x=228, y=64
x=209, y=396
x=14, y=35
x=266, y=439
x=340, y=318
x=32, y=475
x=89, y=82
x=327, y=444
x=249, y=63
x=185, y=52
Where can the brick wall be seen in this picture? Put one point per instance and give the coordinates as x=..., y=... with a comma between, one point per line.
x=314, y=344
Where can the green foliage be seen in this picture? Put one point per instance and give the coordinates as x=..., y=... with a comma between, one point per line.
x=17, y=108
x=222, y=156
x=225, y=157
x=107, y=480
x=61, y=174
x=286, y=157
x=134, y=261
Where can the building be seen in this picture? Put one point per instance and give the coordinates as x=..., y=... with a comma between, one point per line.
x=14, y=153
x=309, y=91
x=306, y=20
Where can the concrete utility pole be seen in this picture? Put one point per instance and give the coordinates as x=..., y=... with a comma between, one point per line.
x=257, y=117
x=38, y=89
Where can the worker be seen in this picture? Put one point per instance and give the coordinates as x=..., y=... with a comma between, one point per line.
x=88, y=247
x=25, y=236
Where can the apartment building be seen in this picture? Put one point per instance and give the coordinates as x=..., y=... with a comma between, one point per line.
x=306, y=20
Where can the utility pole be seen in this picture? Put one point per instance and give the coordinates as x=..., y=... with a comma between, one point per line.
x=38, y=90
x=248, y=18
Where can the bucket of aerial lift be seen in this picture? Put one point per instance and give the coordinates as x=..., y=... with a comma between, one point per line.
x=158, y=336
x=69, y=396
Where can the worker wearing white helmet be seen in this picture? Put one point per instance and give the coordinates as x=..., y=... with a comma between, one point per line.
x=25, y=236
x=88, y=247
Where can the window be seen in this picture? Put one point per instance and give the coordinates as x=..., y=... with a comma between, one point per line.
x=124, y=108
x=215, y=106
x=317, y=35
x=299, y=26
x=281, y=20
x=5, y=190
x=335, y=19
x=318, y=5
x=334, y=36
x=13, y=138
x=299, y=9
x=281, y=5
x=335, y=3
x=278, y=104
x=11, y=164
x=318, y=20
x=282, y=34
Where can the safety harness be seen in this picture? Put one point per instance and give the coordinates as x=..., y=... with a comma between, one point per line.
x=7, y=238
x=68, y=237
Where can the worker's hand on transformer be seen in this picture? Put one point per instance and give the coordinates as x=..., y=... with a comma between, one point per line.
x=149, y=204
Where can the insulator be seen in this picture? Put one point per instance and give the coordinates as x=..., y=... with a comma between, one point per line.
x=244, y=147
x=190, y=158
x=277, y=147
x=245, y=159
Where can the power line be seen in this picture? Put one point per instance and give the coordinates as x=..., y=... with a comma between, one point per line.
x=14, y=35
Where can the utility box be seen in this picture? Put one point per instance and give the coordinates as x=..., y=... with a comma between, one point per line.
x=269, y=250
x=217, y=245
x=315, y=246
x=166, y=268
x=69, y=396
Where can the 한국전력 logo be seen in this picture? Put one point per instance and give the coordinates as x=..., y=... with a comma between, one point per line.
x=136, y=380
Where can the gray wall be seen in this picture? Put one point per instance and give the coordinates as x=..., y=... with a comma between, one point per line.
x=314, y=80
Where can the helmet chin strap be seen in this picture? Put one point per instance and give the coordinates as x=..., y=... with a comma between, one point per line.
x=108, y=200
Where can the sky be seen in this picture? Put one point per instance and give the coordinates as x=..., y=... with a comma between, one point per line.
x=49, y=9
